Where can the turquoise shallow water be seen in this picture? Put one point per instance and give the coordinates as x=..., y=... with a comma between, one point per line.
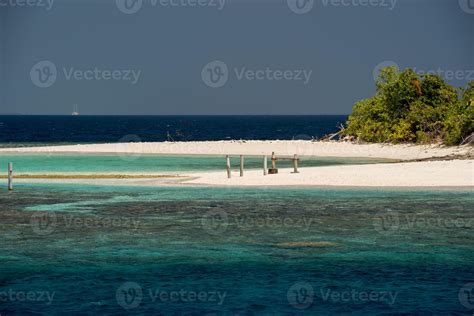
x=90, y=249
x=126, y=163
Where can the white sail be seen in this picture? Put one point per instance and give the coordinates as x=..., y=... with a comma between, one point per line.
x=75, y=110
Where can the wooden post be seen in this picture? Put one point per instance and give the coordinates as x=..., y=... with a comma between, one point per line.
x=273, y=170
x=295, y=163
x=228, y=166
x=265, y=165
x=10, y=176
x=241, y=165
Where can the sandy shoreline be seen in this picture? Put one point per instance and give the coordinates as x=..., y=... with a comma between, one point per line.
x=430, y=174
x=256, y=148
x=452, y=173
x=457, y=173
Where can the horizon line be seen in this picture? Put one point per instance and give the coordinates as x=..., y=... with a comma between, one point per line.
x=17, y=114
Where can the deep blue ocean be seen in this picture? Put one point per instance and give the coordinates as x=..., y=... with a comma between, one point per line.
x=101, y=129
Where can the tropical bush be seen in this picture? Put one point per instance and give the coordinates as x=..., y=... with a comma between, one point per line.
x=409, y=107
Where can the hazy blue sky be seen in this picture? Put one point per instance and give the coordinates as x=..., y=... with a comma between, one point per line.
x=159, y=51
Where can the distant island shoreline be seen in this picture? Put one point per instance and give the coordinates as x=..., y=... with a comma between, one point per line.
x=418, y=166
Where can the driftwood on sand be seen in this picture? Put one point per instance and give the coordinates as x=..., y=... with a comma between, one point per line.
x=468, y=140
x=330, y=137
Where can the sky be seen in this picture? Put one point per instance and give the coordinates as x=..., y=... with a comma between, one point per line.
x=221, y=57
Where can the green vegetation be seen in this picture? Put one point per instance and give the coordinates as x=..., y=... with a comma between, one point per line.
x=408, y=107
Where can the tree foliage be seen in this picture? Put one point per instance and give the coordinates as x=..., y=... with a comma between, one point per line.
x=408, y=107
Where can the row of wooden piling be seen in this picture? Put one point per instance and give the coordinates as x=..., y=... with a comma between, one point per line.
x=10, y=176
x=266, y=171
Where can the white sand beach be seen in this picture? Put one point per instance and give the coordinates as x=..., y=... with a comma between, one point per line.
x=450, y=173
x=455, y=173
x=299, y=147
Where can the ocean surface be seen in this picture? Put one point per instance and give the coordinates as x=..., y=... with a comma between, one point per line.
x=105, y=129
x=76, y=249
x=88, y=249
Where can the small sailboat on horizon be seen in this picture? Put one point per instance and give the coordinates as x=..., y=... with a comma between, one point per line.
x=75, y=110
